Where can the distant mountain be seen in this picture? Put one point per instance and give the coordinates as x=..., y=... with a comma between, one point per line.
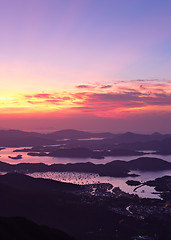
x=162, y=147
x=130, y=137
x=106, y=140
x=16, y=138
x=75, y=134
x=127, y=137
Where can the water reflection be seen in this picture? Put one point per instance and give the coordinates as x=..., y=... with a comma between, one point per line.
x=51, y=160
x=88, y=178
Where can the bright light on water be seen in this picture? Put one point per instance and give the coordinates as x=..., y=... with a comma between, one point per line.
x=89, y=178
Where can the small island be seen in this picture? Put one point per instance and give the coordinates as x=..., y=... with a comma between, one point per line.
x=133, y=183
x=16, y=158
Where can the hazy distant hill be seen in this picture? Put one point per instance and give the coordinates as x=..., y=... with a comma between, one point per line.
x=130, y=137
x=75, y=134
x=119, y=138
x=160, y=146
x=16, y=138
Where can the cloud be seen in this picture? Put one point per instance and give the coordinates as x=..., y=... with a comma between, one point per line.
x=124, y=102
x=43, y=95
x=47, y=98
x=34, y=102
x=94, y=86
x=53, y=101
x=146, y=80
x=142, y=87
x=84, y=86
x=106, y=86
x=127, y=98
x=113, y=97
x=39, y=95
x=107, y=100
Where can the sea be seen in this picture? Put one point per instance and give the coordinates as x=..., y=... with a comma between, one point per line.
x=90, y=178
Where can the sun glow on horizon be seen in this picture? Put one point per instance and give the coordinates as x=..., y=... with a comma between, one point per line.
x=114, y=101
x=82, y=60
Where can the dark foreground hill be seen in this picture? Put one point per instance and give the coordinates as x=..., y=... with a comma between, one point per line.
x=32, y=185
x=77, y=212
x=19, y=228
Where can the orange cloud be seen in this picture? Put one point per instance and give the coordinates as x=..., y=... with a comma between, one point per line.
x=122, y=101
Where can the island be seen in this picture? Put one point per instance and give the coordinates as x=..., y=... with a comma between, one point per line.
x=16, y=158
x=115, y=168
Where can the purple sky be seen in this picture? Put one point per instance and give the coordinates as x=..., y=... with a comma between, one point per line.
x=114, y=53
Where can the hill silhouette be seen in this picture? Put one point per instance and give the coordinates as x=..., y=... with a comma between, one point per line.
x=20, y=228
x=73, y=211
x=114, y=169
x=17, y=138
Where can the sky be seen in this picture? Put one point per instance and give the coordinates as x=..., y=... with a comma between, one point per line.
x=94, y=65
